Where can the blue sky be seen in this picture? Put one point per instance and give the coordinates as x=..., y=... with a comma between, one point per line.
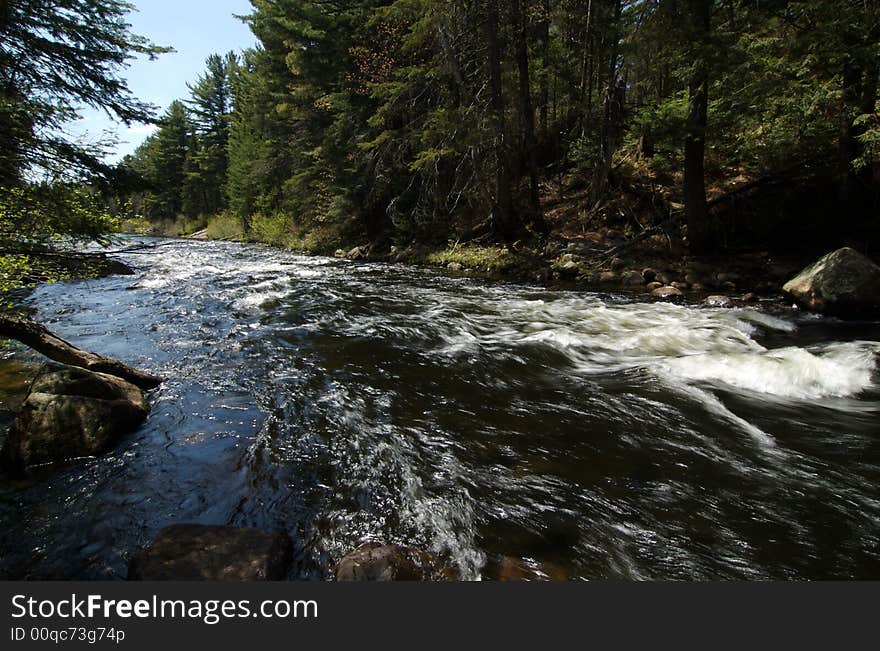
x=195, y=29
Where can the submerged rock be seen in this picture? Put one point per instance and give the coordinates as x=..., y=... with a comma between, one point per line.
x=843, y=283
x=526, y=569
x=71, y=413
x=378, y=562
x=195, y=552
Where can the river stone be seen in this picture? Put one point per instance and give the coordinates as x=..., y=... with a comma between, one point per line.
x=667, y=292
x=568, y=268
x=378, y=562
x=718, y=301
x=654, y=285
x=357, y=253
x=632, y=278
x=197, y=552
x=71, y=413
x=843, y=283
x=111, y=267
x=649, y=275
x=526, y=569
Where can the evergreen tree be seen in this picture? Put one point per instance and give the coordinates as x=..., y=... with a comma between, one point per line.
x=55, y=57
x=210, y=112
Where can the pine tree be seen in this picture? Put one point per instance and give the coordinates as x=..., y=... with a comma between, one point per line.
x=55, y=57
x=210, y=112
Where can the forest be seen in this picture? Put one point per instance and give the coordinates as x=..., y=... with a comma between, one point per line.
x=722, y=125
x=631, y=362
x=731, y=124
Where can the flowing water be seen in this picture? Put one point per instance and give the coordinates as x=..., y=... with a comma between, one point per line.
x=582, y=435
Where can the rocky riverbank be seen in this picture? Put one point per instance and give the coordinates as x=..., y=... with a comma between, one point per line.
x=578, y=264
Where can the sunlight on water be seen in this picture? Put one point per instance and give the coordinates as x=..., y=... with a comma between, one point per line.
x=585, y=436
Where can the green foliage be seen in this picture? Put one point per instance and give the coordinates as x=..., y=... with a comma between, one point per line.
x=14, y=272
x=375, y=118
x=489, y=259
x=35, y=218
x=225, y=227
x=275, y=229
x=57, y=56
x=41, y=214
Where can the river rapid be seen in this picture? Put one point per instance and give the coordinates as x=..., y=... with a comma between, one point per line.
x=578, y=435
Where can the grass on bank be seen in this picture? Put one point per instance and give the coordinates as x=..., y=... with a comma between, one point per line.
x=491, y=259
x=323, y=239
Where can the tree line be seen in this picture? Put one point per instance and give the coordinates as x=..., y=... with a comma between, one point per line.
x=429, y=120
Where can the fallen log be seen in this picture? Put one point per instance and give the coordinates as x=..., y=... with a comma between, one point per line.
x=36, y=336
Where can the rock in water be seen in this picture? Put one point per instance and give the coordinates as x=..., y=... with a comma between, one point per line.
x=71, y=413
x=377, y=562
x=197, y=552
x=526, y=569
x=667, y=292
x=843, y=283
x=717, y=300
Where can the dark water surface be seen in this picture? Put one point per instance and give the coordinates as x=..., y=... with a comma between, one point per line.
x=592, y=436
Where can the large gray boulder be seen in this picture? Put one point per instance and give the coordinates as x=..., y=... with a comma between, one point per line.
x=71, y=413
x=378, y=562
x=843, y=283
x=195, y=552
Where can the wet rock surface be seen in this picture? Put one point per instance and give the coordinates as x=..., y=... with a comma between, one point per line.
x=378, y=562
x=717, y=300
x=69, y=413
x=510, y=568
x=843, y=283
x=667, y=292
x=191, y=552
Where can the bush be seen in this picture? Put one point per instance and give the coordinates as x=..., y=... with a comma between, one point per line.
x=274, y=229
x=225, y=227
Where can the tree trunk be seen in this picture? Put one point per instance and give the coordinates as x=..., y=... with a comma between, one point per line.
x=701, y=234
x=36, y=336
x=859, y=96
x=610, y=112
x=527, y=112
x=545, y=76
x=503, y=221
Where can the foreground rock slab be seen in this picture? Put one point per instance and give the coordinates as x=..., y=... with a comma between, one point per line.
x=193, y=552
x=378, y=562
x=843, y=283
x=71, y=413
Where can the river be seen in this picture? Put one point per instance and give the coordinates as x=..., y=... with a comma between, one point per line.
x=581, y=435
